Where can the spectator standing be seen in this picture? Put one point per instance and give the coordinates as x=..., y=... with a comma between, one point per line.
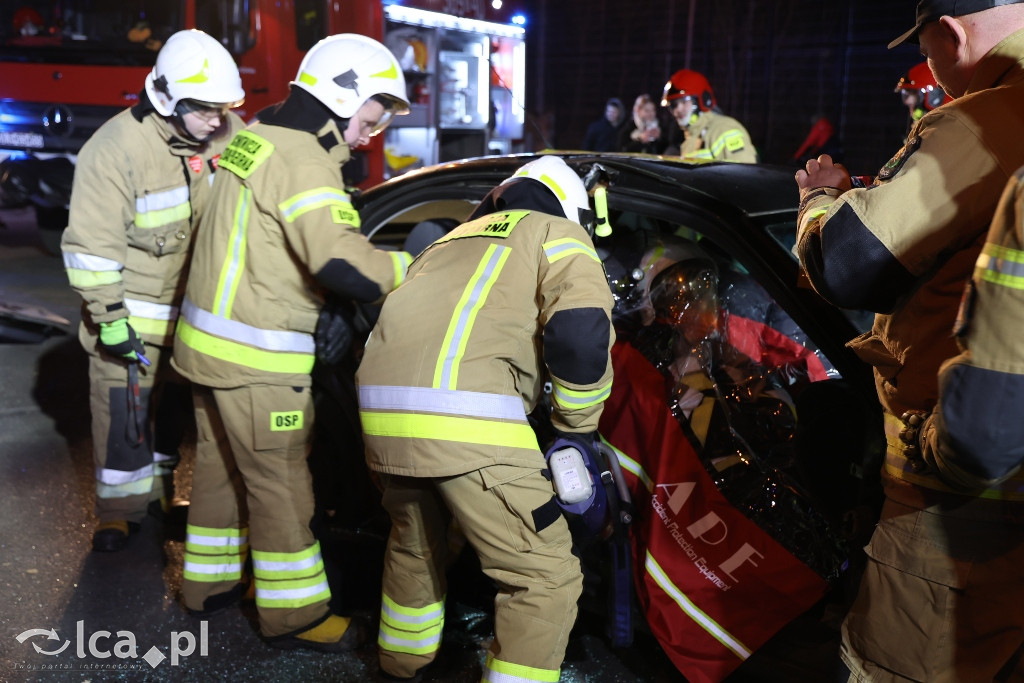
x=603, y=134
x=941, y=595
x=642, y=133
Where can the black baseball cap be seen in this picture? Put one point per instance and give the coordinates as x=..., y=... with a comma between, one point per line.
x=932, y=10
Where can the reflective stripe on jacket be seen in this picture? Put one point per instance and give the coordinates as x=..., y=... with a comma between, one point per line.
x=138, y=192
x=457, y=359
x=717, y=137
x=277, y=217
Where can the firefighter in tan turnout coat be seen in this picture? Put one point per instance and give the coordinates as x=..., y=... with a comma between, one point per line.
x=280, y=233
x=511, y=299
x=140, y=187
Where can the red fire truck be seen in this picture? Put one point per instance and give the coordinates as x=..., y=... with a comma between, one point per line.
x=69, y=65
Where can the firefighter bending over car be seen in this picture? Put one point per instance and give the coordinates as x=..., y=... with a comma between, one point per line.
x=509, y=300
x=281, y=233
x=142, y=183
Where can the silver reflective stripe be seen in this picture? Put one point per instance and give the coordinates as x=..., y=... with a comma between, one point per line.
x=269, y=340
x=153, y=311
x=396, y=642
x=1002, y=266
x=158, y=201
x=116, y=477
x=449, y=401
x=291, y=593
x=90, y=262
x=304, y=563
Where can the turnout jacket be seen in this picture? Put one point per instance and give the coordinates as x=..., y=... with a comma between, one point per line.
x=461, y=351
x=139, y=190
x=976, y=439
x=279, y=230
x=905, y=247
x=717, y=137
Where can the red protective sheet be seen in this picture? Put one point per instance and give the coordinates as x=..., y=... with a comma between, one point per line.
x=713, y=586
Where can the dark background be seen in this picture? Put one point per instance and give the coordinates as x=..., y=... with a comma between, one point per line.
x=774, y=64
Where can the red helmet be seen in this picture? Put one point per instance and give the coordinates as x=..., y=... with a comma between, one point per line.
x=920, y=80
x=25, y=16
x=686, y=83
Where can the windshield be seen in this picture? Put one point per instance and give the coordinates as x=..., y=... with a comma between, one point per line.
x=108, y=31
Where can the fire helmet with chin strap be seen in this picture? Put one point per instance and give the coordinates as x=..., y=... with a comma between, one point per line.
x=345, y=70
x=567, y=186
x=192, y=65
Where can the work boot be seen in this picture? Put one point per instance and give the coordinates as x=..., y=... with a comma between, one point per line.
x=384, y=677
x=112, y=537
x=243, y=591
x=334, y=634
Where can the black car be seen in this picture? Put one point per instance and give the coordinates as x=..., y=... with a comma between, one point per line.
x=818, y=448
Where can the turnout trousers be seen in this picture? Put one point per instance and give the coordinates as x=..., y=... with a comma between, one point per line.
x=252, y=490
x=941, y=599
x=131, y=470
x=539, y=578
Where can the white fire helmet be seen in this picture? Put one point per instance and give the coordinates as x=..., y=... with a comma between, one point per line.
x=192, y=65
x=556, y=175
x=345, y=70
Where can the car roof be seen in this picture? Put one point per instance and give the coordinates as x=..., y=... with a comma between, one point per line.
x=752, y=189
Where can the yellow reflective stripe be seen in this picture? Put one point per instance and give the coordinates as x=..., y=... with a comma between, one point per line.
x=446, y=373
x=392, y=612
x=419, y=642
x=445, y=428
x=132, y=488
x=222, y=349
x=400, y=261
x=573, y=398
x=703, y=153
x=732, y=138
x=497, y=671
x=630, y=465
x=898, y=466
x=83, y=279
x=234, y=259
x=558, y=249
x=713, y=628
x=815, y=213
x=305, y=563
x=216, y=542
x=161, y=328
x=292, y=592
x=162, y=217
x=1001, y=266
x=213, y=568
x=310, y=200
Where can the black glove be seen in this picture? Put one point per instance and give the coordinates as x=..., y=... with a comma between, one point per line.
x=333, y=331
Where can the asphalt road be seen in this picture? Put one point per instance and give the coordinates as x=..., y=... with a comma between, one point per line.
x=57, y=597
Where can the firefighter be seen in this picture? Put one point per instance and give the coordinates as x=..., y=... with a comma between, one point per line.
x=512, y=298
x=709, y=135
x=941, y=593
x=280, y=233
x=920, y=92
x=142, y=183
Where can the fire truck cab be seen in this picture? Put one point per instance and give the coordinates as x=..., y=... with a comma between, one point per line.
x=69, y=65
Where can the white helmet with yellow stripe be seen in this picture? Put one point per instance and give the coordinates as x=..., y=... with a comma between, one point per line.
x=345, y=70
x=192, y=65
x=568, y=187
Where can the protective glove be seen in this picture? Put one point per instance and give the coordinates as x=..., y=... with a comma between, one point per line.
x=119, y=339
x=333, y=335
